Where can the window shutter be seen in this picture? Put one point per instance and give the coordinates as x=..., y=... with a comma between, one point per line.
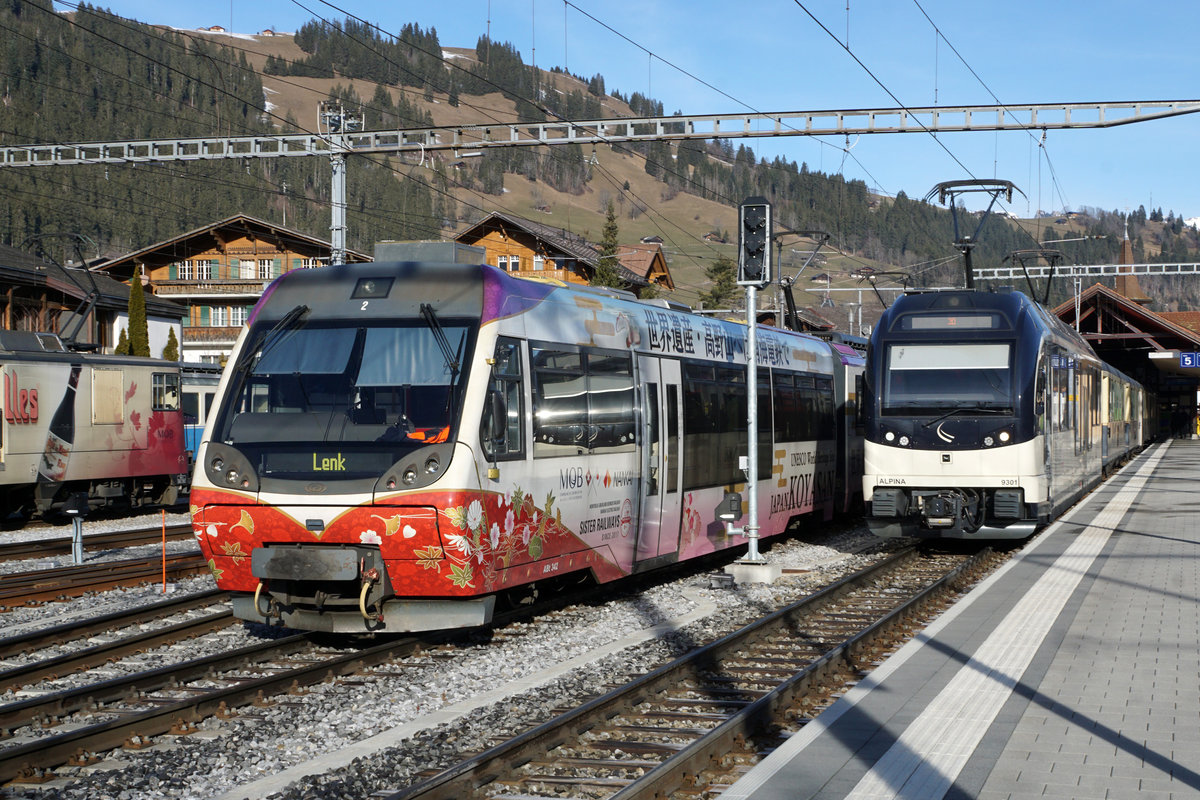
x=174, y=273
x=278, y=268
x=205, y=313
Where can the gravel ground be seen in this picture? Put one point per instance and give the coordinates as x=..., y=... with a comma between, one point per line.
x=92, y=526
x=476, y=680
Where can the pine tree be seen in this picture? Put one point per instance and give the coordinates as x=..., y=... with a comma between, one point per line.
x=723, y=274
x=139, y=333
x=122, y=344
x=171, y=351
x=608, y=272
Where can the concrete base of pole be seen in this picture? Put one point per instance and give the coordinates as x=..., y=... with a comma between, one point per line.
x=746, y=572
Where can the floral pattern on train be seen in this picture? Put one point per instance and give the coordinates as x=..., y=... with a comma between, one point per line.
x=458, y=543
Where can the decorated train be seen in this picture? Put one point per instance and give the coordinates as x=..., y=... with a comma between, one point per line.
x=395, y=446
x=83, y=430
x=986, y=416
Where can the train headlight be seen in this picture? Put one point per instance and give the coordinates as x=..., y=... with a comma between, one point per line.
x=889, y=436
x=904, y=441
x=1005, y=436
x=227, y=466
x=988, y=441
x=419, y=469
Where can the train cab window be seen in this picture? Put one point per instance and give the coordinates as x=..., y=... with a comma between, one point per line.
x=373, y=391
x=506, y=380
x=165, y=391
x=934, y=379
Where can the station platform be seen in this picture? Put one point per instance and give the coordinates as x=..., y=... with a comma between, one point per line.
x=1071, y=672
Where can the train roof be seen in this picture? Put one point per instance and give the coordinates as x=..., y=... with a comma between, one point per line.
x=391, y=290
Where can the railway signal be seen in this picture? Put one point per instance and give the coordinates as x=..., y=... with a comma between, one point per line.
x=754, y=242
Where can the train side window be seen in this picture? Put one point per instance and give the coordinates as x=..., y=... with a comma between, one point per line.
x=672, y=438
x=505, y=396
x=785, y=408
x=559, y=402
x=166, y=391
x=611, y=419
x=191, y=408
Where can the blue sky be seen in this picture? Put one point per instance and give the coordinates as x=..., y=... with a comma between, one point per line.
x=771, y=55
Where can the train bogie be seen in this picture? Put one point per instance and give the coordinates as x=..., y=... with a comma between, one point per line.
x=454, y=433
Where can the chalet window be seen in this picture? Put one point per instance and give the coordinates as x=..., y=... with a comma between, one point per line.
x=311, y=263
x=247, y=269
x=539, y=263
x=204, y=270
x=502, y=262
x=185, y=270
x=219, y=317
x=237, y=316
x=264, y=269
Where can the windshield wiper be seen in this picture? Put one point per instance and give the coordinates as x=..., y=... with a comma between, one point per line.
x=439, y=335
x=284, y=324
x=971, y=409
x=452, y=358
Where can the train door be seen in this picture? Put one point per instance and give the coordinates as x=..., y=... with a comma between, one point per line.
x=1104, y=412
x=658, y=531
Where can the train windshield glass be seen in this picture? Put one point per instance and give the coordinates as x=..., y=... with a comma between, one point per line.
x=935, y=378
x=327, y=397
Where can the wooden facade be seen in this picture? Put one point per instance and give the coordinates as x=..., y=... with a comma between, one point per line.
x=535, y=250
x=218, y=272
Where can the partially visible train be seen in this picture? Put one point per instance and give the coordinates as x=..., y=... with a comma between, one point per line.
x=199, y=387
x=83, y=430
x=395, y=445
x=985, y=416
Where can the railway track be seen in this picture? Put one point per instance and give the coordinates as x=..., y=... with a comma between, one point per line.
x=24, y=588
x=129, y=710
x=696, y=723
x=117, y=626
x=61, y=545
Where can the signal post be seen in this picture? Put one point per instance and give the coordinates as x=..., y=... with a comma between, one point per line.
x=754, y=272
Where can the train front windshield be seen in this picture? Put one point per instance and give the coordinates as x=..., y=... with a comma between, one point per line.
x=938, y=378
x=331, y=401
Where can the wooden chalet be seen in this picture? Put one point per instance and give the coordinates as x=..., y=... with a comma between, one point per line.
x=39, y=296
x=535, y=250
x=218, y=272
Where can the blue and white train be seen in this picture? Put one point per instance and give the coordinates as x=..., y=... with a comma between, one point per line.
x=985, y=416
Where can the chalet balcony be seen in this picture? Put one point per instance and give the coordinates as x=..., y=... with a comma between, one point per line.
x=564, y=275
x=211, y=335
x=211, y=288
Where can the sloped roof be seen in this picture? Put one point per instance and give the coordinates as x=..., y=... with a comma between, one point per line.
x=1135, y=311
x=206, y=237
x=564, y=241
x=639, y=259
x=1184, y=319
x=18, y=267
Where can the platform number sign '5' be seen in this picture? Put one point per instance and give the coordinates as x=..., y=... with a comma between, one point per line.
x=1189, y=359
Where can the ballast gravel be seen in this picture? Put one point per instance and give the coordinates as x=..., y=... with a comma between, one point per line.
x=247, y=756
